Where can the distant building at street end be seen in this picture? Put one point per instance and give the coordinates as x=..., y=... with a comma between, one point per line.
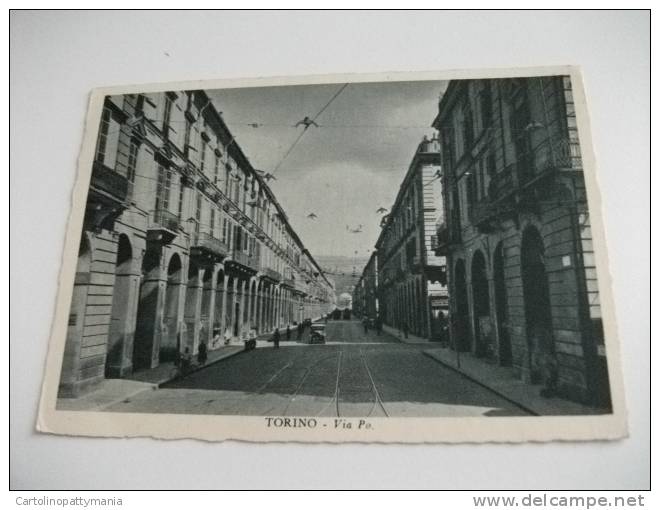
x=183, y=242
x=410, y=284
x=517, y=234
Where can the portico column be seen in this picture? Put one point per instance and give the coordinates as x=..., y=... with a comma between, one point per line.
x=249, y=305
x=234, y=301
x=222, y=307
x=257, y=305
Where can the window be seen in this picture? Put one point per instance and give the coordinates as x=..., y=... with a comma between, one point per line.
x=186, y=137
x=180, y=204
x=212, y=222
x=202, y=156
x=224, y=230
x=468, y=127
x=471, y=189
x=167, y=114
x=132, y=164
x=237, y=190
x=479, y=179
x=238, y=241
x=108, y=140
x=216, y=170
x=520, y=120
x=228, y=180
x=486, y=104
x=163, y=188
x=198, y=212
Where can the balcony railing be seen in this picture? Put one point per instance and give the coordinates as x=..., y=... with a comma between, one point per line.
x=272, y=274
x=557, y=153
x=162, y=219
x=244, y=259
x=206, y=244
x=549, y=156
x=108, y=181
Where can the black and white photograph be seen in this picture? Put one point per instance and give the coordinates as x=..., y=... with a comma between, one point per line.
x=334, y=255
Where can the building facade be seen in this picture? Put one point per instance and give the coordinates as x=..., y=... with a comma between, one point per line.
x=183, y=242
x=365, y=293
x=516, y=234
x=410, y=279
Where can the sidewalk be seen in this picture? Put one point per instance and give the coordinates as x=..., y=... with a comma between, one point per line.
x=108, y=392
x=113, y=391
x=165, y=372
x=412, y=339
x=502, y=381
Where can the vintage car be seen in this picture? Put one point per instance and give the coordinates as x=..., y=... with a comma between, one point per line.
x=317, y=333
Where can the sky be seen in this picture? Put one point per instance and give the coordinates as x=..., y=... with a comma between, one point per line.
x=342, y=171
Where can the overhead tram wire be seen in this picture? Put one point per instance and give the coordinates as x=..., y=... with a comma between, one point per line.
x=293, y=145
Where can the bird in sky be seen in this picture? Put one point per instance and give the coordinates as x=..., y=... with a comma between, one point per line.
x=254, y=125
x=306, y=122
x=312, y=216
x=381, y=210
x=354, y=230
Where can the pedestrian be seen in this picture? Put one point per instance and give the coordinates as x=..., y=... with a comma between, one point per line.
x=288, y=333
x=365, y=323
x=276, y=338
x=300, y=330
x=217, y=338
x=202, y=353
x=186, y=361
x=228, y=335
x=379, y=326
x=405, y=329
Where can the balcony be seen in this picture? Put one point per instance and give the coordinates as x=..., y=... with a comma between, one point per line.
x=107, y=198
x=272, y=274
x=244, y=260
x=300, y=285
x=207, y=247
x=108, y=182
x=561, y=153
x=163, y=226
x=547, y=159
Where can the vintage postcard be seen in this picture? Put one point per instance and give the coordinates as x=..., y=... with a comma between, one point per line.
x=407, y=257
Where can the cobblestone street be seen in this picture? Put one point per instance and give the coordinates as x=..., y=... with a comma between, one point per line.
x=353, y=374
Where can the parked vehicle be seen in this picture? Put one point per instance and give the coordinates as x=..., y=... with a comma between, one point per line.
x=317, y=333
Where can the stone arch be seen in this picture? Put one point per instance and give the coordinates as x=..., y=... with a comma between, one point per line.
x=220, y=298
x=122, y=317
x=505, y=353
x=252, y=319
x=208, y=300
x=69, y=375
x=481, y=306
x=230, y=283
x=461, y=323
x=538, y=312
x=146, y=329
x=192, y=305
x=170, y=343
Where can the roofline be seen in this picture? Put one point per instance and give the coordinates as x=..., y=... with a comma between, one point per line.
x=412, y=168
x=236, y=150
